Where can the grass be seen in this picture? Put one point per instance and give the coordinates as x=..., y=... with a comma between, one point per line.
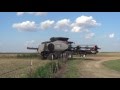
x=72, y=70
x=18, y=68
x=19, y=55
x=30, y=55
x=51, y=70
x=108, y=54
x=46, y=71
x=113, y=64
x=42, y=72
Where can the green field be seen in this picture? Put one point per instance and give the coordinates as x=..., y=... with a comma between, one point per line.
x=18, y=65
x=113, y=64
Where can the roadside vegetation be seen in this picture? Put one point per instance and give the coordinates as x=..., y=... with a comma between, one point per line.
x=19, y=65
x=108, y=54
x=19, y=55
x=72, y=68
x=49, y=70
x=59, y=69
x=113, y=64
x=43, y=72
x=30, y=55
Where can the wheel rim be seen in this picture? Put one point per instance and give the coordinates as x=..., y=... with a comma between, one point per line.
x=52, y=56
x=70, y=56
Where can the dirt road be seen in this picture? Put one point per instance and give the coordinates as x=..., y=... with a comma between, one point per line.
x=93, y=68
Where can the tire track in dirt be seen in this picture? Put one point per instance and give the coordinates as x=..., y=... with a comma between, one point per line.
x=95, y=69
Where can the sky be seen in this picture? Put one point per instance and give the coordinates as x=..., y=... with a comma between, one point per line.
x=21, y=29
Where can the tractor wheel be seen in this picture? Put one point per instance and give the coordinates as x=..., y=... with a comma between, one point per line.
x=51, y=56
x=42, y=57
x=69, y=55
x=64, y=56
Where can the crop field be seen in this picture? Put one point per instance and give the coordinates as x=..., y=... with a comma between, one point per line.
x=13, y=67
x=102, y=65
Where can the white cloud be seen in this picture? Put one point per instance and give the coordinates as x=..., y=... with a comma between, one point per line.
x=32, y=13
x=80, y=24
x=20, y=13
x=76, y=29
x=89, y=35
x=111, y=35
x=84, y=23
x=46, y=24
x=86, y=20
x=25, y=26
x=62, y=24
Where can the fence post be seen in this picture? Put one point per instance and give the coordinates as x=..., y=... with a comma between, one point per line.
x=31, y=64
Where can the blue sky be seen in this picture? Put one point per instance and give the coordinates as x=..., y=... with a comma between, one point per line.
x=21, y=29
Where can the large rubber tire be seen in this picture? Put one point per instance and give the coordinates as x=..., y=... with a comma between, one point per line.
x=51, y=56
x=43, y=56
x=64, y=56
x=69, y=55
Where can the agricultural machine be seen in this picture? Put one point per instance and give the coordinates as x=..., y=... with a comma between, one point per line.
x=60, y=47
x=85, y=49
x=56, y=48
